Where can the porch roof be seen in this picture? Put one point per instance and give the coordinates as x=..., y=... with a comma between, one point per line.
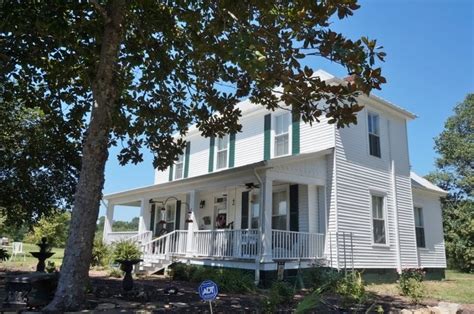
x=246, y=173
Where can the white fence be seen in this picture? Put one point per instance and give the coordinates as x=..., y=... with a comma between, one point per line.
x=297, y=245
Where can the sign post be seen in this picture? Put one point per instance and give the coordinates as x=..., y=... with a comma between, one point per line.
x=208, y=291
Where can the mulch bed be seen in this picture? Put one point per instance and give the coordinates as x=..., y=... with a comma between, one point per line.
x=158, y=294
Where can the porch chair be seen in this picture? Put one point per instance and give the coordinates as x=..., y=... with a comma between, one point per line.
x=17, y=249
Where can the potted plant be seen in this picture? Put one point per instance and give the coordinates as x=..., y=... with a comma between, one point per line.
x=127, y=254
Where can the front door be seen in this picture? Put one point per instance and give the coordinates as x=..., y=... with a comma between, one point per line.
x=167, y=218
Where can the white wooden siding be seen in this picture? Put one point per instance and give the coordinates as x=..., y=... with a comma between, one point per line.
x=317, y=137
x=433, y=256
x=358, y=174
x=249, y=143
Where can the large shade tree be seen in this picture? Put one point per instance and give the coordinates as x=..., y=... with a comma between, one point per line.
x=137, y=72
x=455, y=174
x=39, y=164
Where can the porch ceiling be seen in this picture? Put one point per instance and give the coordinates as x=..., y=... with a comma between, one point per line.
x=211, y=181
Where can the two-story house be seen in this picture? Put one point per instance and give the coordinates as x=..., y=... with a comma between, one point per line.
x=285, y=191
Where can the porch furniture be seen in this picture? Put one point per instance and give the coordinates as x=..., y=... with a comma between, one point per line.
x=17, y=249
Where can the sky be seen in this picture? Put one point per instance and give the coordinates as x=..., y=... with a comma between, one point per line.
x=429, y=69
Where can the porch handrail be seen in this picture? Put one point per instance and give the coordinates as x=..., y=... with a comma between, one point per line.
x=172, y=243
x=142, y=237
x=297, y=245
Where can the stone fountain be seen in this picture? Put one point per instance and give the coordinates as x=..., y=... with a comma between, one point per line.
x=43, y=254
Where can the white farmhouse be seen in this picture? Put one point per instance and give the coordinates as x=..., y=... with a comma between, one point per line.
x=282, y=191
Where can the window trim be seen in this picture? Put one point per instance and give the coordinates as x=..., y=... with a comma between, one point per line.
x=283, y=188
x=415, y=206
x=373, y=112
x=274, y=135
x=216, y=153
x=182, y=168
x=383, y=195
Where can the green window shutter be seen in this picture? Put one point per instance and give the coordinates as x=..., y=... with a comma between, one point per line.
x=171, y=173
x=178, y=215
x=231, y=150
x=294, y=223
x=152, y=218
x=267, y=126
x=295, y=133
x=244, y=224
x=186, y=159
x=211, y=153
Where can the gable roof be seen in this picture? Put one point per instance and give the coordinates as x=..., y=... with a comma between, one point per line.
x=418, y=182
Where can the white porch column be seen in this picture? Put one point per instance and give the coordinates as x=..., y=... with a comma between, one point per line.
x=109, y=216
x=144, y=216
x=192, y=198
x=267, y=219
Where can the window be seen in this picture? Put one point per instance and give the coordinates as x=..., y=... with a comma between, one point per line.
x=178, y=174
x=280, y=211
x=374, y=134
x=282, y=124
x=419, y=228
x=254, y=209
x=378, y=219
x=170, y=217
x=222, y=148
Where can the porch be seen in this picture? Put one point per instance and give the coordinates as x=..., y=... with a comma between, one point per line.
x=262, y=213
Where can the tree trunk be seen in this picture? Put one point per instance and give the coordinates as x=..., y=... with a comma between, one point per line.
x=70, y=294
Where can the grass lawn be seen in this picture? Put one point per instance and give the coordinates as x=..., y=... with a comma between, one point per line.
x=30, y=262
x=457, y=287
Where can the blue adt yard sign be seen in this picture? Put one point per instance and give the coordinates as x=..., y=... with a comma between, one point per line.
x=208, y=290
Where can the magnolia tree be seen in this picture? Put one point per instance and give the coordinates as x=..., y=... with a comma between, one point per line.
x=137, y=72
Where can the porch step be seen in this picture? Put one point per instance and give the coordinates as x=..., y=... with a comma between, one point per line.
x=153, y=265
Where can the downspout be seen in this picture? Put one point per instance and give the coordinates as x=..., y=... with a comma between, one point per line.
x=260, y=225
x=394, y=199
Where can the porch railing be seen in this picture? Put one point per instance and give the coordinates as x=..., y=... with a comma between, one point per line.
x=297, y=245
x=173, y=243
x=119, y=236
x=143, y=237
x=226, y=243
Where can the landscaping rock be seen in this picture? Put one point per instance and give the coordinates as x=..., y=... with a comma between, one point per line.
x=105, y=306
x=449, y=308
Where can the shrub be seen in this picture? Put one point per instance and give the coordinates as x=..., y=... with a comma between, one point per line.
x=4, y=255
x=280, y=293
x=309, y=302
x=50, y=267
x=100, y=253
x=126, y=250
x=180, y=271
x=115, y=272
x=351, y=289
x=54, y=228
x=410, y=283
x=324, y=279
x=228, y=280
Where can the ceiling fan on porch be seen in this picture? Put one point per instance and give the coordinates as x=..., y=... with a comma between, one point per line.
x=250, y=186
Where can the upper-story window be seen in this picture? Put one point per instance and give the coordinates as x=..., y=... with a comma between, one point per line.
x=222, y=152
x=374, y=134
x=378, y=219
x=281, y=142
x=179, y=165
x=419, y=227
